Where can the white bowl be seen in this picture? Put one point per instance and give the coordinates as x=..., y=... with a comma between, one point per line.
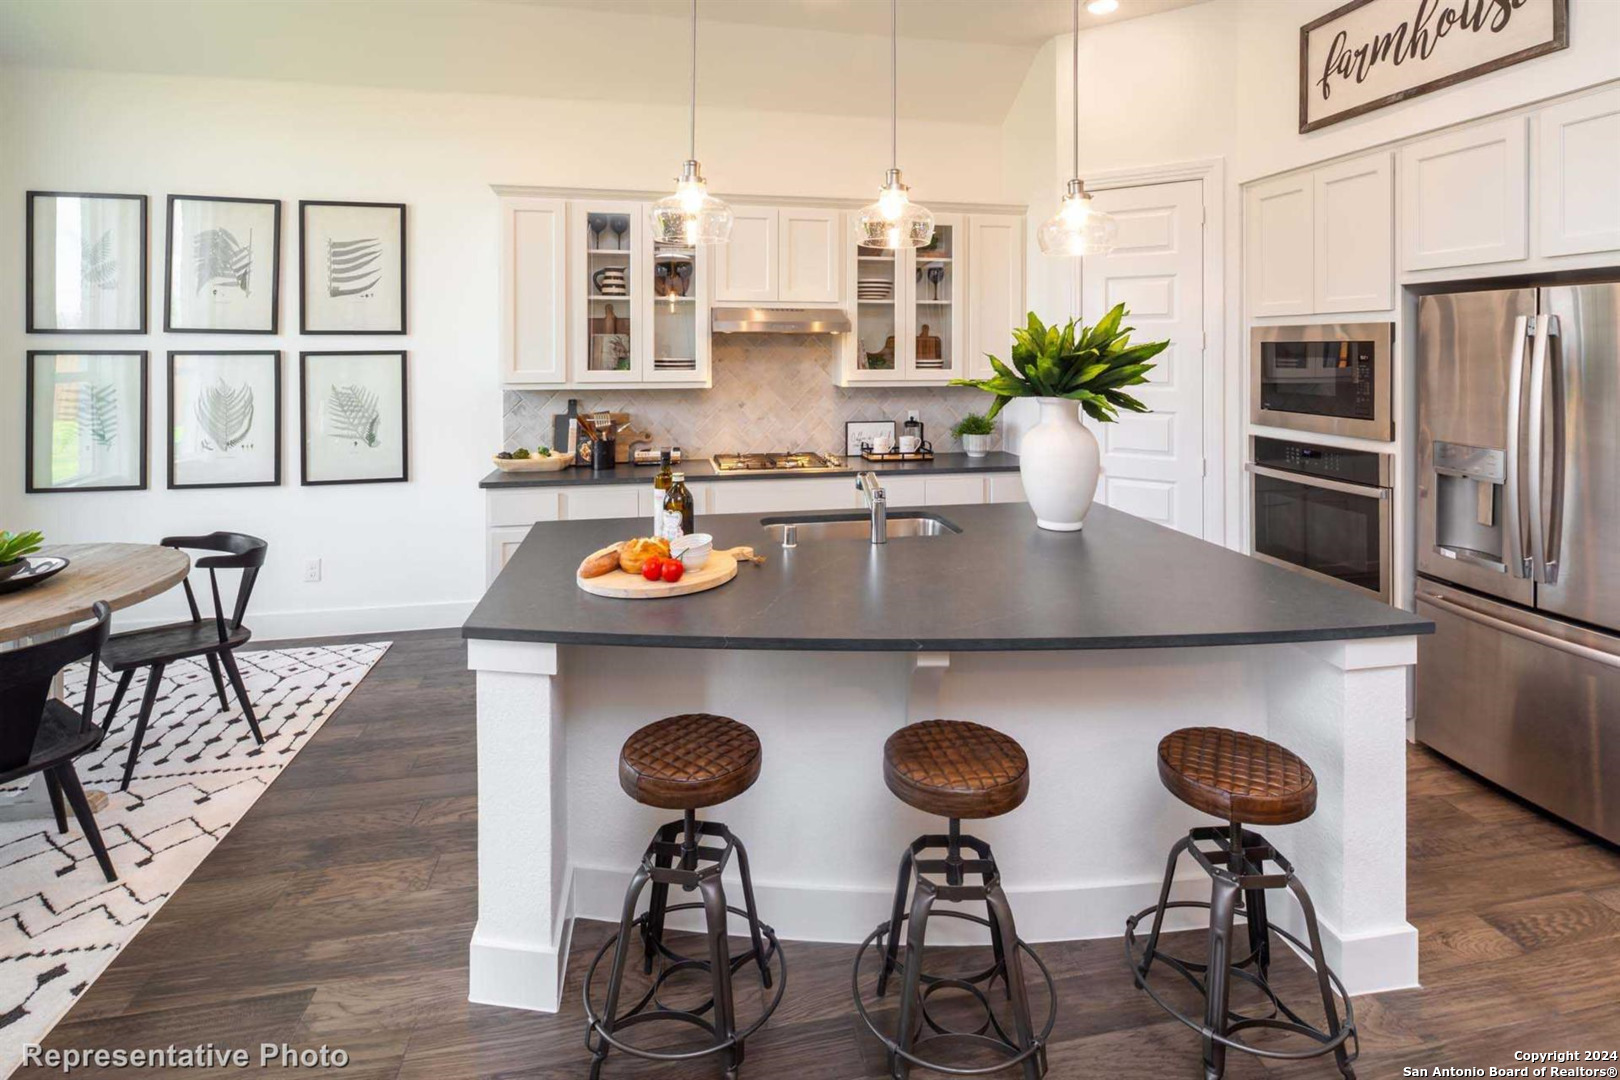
x=693, y=550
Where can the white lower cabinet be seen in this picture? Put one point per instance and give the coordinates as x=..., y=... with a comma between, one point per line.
x=503, y=544
x=1006, y=487
x=954, y=490
x=775, y=496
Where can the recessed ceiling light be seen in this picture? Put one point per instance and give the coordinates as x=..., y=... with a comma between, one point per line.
x=1103, y=7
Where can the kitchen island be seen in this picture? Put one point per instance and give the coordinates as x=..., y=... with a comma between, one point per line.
x=1087, y=647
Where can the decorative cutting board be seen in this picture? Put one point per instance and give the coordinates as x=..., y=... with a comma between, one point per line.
x=721, y=568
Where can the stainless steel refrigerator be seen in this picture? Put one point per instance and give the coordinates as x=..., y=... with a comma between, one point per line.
x=1519, y=542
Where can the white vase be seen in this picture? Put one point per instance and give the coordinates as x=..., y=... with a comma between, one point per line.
x=1059, y=462
x=976, y=445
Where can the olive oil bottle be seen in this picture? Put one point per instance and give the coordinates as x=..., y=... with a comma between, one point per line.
x=661, y=484
x=677, y=508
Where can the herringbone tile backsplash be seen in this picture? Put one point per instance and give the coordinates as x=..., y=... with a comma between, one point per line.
x=771, y=392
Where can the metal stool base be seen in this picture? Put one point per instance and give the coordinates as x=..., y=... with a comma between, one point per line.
x=691, y=866
x=1022, y=1047
x=1236, y=867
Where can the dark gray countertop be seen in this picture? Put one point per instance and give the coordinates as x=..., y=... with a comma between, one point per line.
x=1001, y=584
x=701, y=469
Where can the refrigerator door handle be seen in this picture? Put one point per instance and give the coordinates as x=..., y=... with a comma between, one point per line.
x=1549, y=535
x=1513, y=530
x=1459, y=607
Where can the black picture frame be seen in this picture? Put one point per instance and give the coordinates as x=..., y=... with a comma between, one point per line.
x=404, y=417
x=168, y=266
x=303, y=268
x=275, y=355
x=848, y=424
x=28, y=261
x=28, y=419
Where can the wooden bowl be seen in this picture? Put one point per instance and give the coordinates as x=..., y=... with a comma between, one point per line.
x=535, y=464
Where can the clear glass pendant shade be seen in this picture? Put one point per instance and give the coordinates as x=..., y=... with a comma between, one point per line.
x=691, y=215
x=894, y=221
x=1078, y=228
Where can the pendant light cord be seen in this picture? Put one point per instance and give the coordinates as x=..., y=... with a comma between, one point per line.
x=693, y=150
x=894, y=83
x=1076, y=102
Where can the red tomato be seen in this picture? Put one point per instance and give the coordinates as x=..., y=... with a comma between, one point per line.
x=672, y=570
x=652, y=568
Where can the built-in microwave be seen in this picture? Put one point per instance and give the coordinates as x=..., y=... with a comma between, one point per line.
x=1324, y=511
x=1332, y=379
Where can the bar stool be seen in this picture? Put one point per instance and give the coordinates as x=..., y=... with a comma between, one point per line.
x=686, y=763
x=955, y=769
x=1245, y=780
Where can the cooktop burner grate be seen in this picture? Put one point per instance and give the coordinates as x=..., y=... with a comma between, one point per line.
x=785, y=461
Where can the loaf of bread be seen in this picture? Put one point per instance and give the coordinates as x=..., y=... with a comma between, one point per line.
x=633, y=554
x=601, y=562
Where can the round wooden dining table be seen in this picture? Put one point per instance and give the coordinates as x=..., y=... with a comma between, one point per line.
x=120, y=574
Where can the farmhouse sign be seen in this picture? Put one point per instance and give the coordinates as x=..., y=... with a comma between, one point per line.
x=1372, y=53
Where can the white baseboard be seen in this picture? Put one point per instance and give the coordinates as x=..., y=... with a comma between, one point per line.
x=520, y=974
x=337, y=622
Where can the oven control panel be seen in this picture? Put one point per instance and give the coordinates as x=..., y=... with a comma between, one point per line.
x=1336, y=463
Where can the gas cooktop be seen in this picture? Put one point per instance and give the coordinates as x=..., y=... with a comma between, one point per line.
x=786, y=461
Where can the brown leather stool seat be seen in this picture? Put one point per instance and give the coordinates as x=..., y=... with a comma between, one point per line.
x=688, y=762
x=1239, y=777
x=956, y=769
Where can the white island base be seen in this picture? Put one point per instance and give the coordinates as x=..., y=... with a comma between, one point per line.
x=558, y=839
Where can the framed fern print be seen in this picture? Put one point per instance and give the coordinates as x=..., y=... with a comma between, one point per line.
x=224, y=419
x=222, y=265
x=353, y=417
x=86, y=421
x=86, y=263
x=351, y=270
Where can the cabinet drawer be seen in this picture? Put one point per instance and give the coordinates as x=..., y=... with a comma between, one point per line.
x=955, y=490
x=520, y=506
x=1006, y=487
x=901, y=490
x=646, y=495
x=778, y=496
x=583, y=504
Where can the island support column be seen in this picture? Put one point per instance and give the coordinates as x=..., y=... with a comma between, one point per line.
x=519, y=948
x=1341, y=706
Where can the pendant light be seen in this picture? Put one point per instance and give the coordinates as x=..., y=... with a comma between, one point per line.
x=1078, y=228
x=894, y=221
x=691, y=216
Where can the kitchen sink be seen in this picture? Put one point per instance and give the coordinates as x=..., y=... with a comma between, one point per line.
x=789, y=531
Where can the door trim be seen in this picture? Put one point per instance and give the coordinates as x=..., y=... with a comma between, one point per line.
x=1222, y=392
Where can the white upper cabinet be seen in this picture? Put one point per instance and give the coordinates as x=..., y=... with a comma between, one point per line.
x=1355, y=236
x=783, y=254
x=995, y=288
x=1578, y=176
x=809, y=242
x=534, y=290
x=746, y=267
x=1279, y=245
x=1463, y=197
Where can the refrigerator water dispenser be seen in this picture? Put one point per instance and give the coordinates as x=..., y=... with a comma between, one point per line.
x=1468, y=493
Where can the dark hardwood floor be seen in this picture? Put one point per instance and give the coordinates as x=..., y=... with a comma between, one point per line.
x=339, y=911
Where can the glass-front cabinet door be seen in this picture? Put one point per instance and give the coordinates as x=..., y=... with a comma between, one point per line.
x=678, y=310
x=611, y=274
x=878, y=314
x=936, y=303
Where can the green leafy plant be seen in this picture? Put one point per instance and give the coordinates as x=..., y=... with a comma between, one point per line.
x=974, y=424
x=14, y=546
x=1088, y=364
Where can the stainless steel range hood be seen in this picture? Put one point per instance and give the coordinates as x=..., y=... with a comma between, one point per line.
x=779, y=320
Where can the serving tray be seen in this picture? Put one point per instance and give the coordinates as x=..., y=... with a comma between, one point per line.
x=619, y=585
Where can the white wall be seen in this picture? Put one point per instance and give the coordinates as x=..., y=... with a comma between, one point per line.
x=396, y=555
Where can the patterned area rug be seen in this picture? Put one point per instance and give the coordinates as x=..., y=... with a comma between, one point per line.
x=61, y=923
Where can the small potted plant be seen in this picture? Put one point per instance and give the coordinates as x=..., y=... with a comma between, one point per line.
x=1062, y=367
x=13, y=546
x=974, y=430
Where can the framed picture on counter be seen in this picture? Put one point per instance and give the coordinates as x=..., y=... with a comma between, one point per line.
x=86, y=421
x=224, y=419
x=86, y=263
x=353, y=417
x=351, y=272
x=858, y=432
x=222, y=259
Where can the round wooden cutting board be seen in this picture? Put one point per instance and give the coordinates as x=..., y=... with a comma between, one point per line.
x=720, y=568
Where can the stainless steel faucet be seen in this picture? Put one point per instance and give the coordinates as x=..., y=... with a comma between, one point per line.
x=878, y=500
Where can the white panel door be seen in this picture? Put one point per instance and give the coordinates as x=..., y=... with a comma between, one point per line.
x=1463, y=197
x=534, y=290
x=809, y=259
x=1279, y=239
x=1579, y=178
x=746, y=267
x=1355, y=235
x=1153, y=463
x=995, y=253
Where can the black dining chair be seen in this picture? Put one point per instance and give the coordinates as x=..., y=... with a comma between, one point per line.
x=216, y=640
x=40, y=734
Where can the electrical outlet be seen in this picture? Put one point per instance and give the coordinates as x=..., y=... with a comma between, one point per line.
x=913, y=414
x=312, y=570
